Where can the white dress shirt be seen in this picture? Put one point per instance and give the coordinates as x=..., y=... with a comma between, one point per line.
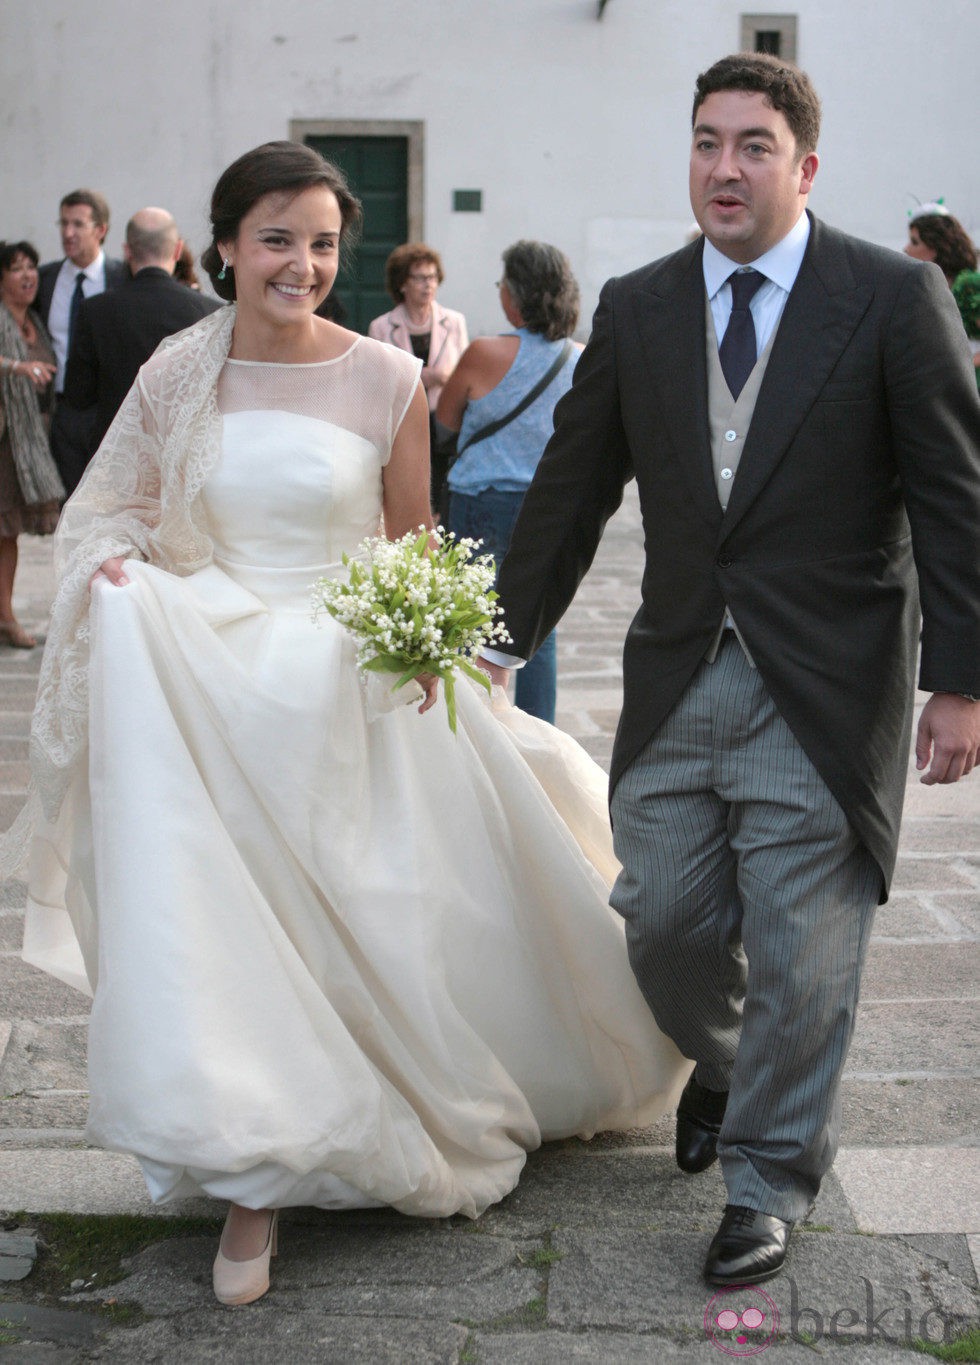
x=61, y=306
x=780, y=265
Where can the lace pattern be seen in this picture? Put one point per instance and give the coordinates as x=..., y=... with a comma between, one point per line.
x=137, y=497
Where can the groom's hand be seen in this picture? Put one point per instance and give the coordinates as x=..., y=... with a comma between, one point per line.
x=498, y=674
x=949, y=733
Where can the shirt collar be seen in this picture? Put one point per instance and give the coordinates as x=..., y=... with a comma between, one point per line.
x=781, y=263
x=90, y=271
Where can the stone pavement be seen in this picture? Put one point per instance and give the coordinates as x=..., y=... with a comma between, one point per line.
x=596, y=1255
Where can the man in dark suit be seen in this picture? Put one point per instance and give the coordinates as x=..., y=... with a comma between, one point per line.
x=117, y=332
x=85, y=271
x=799, y=411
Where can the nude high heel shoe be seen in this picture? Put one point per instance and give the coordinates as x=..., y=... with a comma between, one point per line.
x=237, y=1282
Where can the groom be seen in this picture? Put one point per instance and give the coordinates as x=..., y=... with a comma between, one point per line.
x=799, y=411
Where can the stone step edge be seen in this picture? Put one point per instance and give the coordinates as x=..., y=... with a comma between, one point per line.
x=94, y=1181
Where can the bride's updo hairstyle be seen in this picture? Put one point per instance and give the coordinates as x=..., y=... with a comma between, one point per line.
x=284, y=168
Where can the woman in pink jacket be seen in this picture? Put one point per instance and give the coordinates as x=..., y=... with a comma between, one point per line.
x=418, y=323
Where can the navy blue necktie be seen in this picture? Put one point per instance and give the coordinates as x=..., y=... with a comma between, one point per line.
x=73, y=307
x=737, y=351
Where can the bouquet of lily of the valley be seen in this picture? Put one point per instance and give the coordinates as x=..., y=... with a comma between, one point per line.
x=421, y=604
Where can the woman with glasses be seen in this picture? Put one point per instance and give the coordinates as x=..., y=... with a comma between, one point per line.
x=420, y=324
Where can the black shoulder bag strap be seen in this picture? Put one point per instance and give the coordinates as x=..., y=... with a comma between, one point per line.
x=492, y=427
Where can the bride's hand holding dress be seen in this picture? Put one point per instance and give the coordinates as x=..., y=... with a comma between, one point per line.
x=112, y=569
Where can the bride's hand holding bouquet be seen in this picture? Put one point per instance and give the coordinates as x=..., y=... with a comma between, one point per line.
x=420, y=607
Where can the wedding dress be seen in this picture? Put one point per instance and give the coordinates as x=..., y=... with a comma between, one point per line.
x=340, y=956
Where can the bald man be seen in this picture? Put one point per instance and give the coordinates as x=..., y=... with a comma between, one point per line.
x=116, y=332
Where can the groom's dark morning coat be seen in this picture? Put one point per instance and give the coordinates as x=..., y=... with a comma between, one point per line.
x=868, y=420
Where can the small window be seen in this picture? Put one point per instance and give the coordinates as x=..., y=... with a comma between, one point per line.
x=773, y=33
x=467, y=201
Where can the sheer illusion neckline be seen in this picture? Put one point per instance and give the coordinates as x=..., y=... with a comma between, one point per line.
x=297, y=364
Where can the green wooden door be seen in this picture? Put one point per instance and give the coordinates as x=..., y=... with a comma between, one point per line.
x=377, y=171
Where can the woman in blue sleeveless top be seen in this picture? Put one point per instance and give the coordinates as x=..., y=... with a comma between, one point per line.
x=540, y=299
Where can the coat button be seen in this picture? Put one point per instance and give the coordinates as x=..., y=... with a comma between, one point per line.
x=731, y=435
x=725, y=561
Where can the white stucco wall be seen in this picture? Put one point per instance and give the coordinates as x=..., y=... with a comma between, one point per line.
x=575, y=130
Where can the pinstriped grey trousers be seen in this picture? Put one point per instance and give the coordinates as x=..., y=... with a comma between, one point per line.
x=748, y=903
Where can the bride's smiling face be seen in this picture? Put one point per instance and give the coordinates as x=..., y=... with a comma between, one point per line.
x=286, y=255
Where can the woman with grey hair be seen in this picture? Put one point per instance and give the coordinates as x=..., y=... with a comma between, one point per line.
x=501, y=399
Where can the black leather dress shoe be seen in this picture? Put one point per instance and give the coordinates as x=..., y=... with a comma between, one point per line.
x=699, y=1116
x=748, y=1247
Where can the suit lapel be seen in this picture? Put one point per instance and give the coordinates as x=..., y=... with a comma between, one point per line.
x=45, y=293
x=670, y=318
x=824, y=307
x=116, y=274
x=398, y=328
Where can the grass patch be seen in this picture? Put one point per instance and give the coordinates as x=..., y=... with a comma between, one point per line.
x=534, y=1312
x=966, y=1347
x=8, y=1333
x=122, y=1314
x=530, y=1317
x=542, y=1259
x=92, y=1249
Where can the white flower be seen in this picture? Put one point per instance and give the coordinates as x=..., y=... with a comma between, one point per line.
x=406, y=602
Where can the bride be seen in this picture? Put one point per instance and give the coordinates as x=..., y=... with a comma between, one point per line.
x=339, y=956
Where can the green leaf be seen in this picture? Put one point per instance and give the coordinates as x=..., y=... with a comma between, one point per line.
x=384, y=663
x=408, y=675
x=477, y=674
x=450, y=686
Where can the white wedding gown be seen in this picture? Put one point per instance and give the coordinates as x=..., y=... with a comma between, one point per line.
x=343, y=957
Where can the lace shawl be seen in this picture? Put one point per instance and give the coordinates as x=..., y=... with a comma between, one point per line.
x=140, y=496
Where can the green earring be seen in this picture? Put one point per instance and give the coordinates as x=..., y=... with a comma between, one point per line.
x=223, y=271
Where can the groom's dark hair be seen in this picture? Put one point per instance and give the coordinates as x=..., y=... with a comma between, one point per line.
x=784, y=85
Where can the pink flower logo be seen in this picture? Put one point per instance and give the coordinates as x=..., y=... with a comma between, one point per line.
x=741, y=1321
